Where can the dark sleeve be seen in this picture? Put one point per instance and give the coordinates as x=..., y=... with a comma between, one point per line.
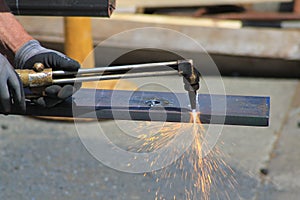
x=3, y=6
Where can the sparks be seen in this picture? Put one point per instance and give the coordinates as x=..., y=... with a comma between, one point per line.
x=196, y=171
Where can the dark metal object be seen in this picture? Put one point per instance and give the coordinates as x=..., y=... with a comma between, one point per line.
x=262, y=24
x=130, y=105
x=192, y=97
x=99, y=8
x=191, y=78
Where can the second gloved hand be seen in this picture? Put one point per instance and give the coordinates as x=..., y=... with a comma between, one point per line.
x=11, y=90
x=32, y=52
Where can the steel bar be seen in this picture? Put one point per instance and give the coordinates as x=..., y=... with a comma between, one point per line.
x=159, y=106
x=99, y=8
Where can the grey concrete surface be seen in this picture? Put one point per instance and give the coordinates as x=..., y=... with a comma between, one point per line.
x=283, y=181
x=46, y=159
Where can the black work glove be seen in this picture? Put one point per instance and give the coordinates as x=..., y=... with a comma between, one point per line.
x=32, y=52
x=11, y=89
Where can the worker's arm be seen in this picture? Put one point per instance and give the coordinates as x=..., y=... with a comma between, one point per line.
x=12, y=34
x=29, y=51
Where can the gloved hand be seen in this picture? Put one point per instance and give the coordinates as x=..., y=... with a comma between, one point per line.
x=32, y=52
x=11, y=89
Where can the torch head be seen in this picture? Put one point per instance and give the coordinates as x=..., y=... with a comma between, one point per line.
x=191, y=79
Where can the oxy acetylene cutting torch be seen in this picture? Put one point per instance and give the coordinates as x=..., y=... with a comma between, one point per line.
x=40, y=76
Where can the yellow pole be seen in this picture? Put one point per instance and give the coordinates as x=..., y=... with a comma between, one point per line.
x=79, y=41
x=79, y=46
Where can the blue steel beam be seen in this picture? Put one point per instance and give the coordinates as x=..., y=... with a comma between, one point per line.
x=160, y=106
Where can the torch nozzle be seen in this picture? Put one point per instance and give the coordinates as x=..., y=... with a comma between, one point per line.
x=192, y=97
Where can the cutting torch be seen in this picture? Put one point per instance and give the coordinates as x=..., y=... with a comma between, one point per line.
x=40, y=76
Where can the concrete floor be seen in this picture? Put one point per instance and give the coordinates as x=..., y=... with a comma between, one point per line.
x=46, y=160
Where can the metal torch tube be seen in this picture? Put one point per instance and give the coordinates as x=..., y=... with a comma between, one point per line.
x=109, y=77
x=114, y=68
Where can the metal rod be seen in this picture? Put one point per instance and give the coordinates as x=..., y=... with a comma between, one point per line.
x=114, y=68
x=116, y=76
